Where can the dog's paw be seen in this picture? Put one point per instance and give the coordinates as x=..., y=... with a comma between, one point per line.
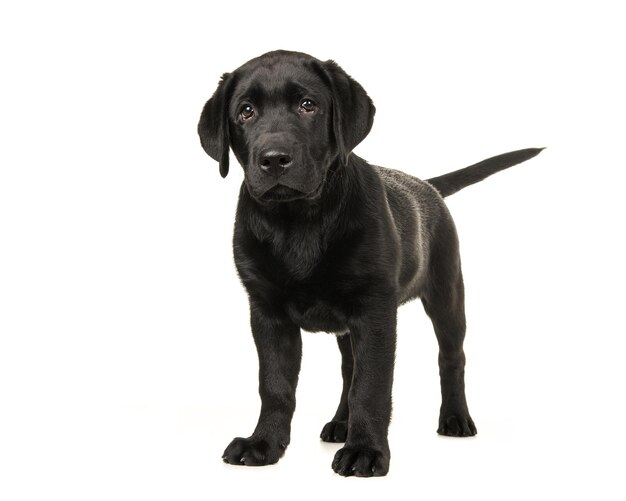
x=361, y=462
x=456, y=426
x=335, y=431
x=252, y=452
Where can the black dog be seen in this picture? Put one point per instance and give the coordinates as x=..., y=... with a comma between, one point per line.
x=325, y=241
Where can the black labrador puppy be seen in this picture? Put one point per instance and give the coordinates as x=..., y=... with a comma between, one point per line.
x=325, y=241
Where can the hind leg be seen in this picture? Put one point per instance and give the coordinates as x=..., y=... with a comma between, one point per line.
x=444, y=304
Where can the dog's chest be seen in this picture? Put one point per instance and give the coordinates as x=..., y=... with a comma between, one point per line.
x=295, y=247
x=315, y=314
x=299, y=252
x=312, y=296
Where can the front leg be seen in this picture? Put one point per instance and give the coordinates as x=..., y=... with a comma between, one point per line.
x=337, y=429
x=279, y=346
x=366, y=452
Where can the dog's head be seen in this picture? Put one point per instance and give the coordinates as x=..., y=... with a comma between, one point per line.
x=288, y=118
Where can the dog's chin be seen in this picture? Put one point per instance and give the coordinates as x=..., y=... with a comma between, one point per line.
x=280, y=193
x=284, y=194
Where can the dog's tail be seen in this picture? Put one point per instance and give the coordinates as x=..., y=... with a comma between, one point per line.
x=450, y=183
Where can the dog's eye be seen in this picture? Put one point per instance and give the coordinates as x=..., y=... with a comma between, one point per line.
x=308, y=106
x=246, y=113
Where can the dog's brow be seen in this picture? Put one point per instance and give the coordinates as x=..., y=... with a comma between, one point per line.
x=254, y=92
x=294, y=90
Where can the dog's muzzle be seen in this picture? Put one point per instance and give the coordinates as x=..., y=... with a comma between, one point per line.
x=281, y=170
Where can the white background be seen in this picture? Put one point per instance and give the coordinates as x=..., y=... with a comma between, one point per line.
x=126, y=362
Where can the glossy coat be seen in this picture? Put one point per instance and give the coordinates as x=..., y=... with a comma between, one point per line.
x=325, y=241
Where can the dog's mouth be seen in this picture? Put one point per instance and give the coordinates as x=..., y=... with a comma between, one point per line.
x=282, y=193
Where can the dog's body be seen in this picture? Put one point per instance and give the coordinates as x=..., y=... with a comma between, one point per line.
x=326, y=242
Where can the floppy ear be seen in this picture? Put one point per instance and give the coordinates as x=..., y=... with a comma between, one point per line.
x=353, y=110
x=213, y=125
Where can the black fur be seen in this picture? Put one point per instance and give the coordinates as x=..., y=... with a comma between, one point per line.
x=325, y=241
x=449, y=184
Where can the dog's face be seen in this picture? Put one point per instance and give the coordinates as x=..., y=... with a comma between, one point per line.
x=288, y=117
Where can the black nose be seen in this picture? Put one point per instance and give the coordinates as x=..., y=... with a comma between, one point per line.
x=275, y=162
